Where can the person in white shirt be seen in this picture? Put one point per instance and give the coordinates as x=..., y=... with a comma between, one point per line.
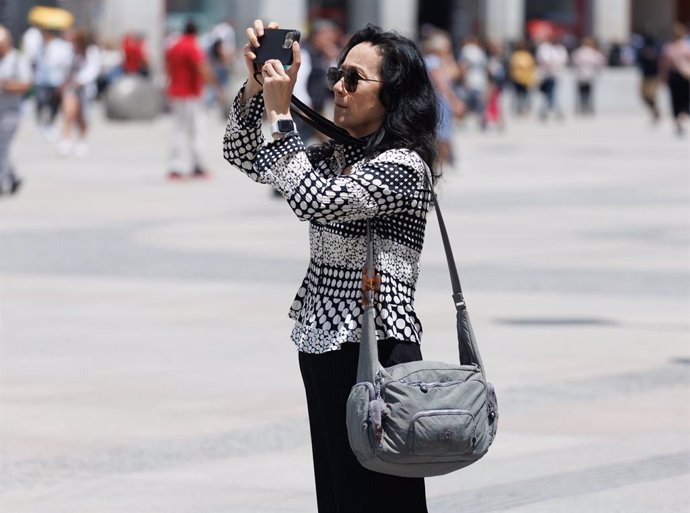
x=52, y=69
x=111, y=65
x=588, y=62
x=552, y=58
x=15, y=81
x=474, y=62
x=77, y=91
x=32, y=40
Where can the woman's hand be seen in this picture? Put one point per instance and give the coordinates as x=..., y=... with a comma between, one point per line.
x=279, y=84
x=253, y=35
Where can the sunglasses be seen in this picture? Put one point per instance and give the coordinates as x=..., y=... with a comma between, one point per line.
x=350, y=78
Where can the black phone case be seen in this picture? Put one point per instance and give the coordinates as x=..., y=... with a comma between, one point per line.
x=273, y=46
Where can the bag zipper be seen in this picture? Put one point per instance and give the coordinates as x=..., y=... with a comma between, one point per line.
x=424, y=386
x=472, y=366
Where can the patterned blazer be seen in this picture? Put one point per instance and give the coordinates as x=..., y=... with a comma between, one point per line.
x=389, y=189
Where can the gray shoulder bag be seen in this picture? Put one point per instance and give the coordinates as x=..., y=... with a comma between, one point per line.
x=420, y=419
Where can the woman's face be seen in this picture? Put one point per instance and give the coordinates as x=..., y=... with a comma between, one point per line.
x=361, y=112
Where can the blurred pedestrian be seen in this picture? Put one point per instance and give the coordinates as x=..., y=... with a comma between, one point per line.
x=52, y=68
x=675, y=71
x=620, y=54
x=523, y=75
x=648, y=57
x=217, y=63
x=77, y=92
x=135, y=55
x=588, y=62
x=323, y=49
x=111, y=65
x=225, y=33
x=32, y=41
x=475, y=81
x=383, y=95
x=552, y=58
x=318, y=53
x=15, y=81
x=443, y=71
x=302, y=94
x=188, y=71
x=496, y=71
x=221, y=56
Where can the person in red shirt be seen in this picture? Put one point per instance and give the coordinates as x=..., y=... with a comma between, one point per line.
x=134, y=51
x=188, y=71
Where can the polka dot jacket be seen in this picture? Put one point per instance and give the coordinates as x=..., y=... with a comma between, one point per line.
x=389, y=190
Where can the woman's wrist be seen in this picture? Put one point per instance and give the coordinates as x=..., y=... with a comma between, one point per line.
x=273, y=116
x=251, y=89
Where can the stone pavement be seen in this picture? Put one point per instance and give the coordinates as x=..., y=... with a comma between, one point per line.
x=145, y=365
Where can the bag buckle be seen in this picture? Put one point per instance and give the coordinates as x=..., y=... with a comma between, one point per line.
x=370, y=285
x=459, y=301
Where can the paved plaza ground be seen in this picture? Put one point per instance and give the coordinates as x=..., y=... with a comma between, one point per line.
x=145, y=361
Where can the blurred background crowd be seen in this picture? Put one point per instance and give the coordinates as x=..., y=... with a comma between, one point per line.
x=488, y=60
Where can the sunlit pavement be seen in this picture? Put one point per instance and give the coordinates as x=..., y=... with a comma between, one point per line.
x=145, y=359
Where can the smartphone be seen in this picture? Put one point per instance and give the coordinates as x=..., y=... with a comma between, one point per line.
x=276, y=44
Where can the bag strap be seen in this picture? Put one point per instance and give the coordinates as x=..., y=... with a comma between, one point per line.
x=458, y=298
x=468, y=351
x=323, y=125
x=368, y=366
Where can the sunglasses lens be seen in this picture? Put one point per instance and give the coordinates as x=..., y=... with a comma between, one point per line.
x=349, y=76
x=351, y=79
x=333, y=75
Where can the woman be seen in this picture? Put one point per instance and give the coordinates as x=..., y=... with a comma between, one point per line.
x=588, y=62
x=552, y=58
x=384, y=96
x=443, y=71
x=77, y=92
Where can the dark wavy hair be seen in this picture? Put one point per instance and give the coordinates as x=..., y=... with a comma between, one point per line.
x=406, y=93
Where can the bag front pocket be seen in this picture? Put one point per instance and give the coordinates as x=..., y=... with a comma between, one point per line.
x=442, y=433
